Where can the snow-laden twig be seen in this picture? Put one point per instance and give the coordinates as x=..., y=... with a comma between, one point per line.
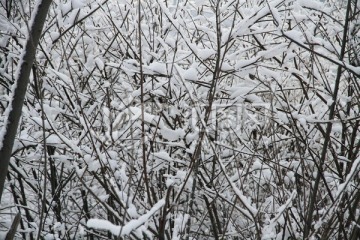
x=127, y=228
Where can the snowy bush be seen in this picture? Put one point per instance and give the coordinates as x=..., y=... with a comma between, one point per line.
x=186, y=120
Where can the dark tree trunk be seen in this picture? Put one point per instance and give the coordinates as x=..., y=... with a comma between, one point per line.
x=19, y=88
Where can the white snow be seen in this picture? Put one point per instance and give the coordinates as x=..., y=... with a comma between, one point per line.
x=311, y=4
x=245, y=62
x=172, y=135
x=167, y=133
x=179, y=226
x=104, y=225
x=190, y=74
x=205, y=53
x=163, y=156
x=226, y=67
x=78, y=3
x=128, y=227
x=240, y=91
x=54, y=35
x=53, y=140
x=158, y=67
x=99, y=63
x=136, y=112
x=294, y=35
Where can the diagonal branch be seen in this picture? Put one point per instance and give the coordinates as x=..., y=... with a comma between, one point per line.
x=13, y=111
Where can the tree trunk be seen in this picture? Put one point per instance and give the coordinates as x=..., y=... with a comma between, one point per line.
x=13, y=111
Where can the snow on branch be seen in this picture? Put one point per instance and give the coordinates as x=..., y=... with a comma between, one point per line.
x=127, y=228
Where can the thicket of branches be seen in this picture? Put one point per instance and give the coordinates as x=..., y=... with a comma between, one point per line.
x=186, y=120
